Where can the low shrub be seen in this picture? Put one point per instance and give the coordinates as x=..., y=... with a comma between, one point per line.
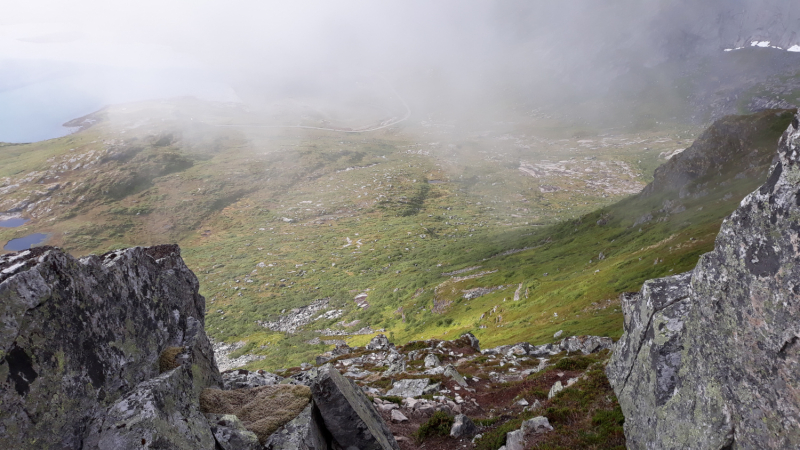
x=438, y=425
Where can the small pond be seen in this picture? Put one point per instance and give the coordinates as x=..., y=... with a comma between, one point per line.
x=25, y=243
x=13, y=222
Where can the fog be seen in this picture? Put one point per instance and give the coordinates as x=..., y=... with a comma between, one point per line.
x=456, y=59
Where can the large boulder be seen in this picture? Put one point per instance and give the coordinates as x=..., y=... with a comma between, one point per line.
x=79, y=336
x=709, y=359
x=379, y=342
x=349, y=417
x=410, y=387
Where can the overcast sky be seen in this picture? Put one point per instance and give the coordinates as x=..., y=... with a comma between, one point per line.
x=456, y=49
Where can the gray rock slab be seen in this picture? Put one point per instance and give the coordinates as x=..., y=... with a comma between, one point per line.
x=408, y=388
x=348, y=415
x=304, y=432
x=463, y=426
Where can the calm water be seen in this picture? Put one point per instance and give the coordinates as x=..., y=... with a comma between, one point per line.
x=13, y=222
x=37, y=97
x=25, y=243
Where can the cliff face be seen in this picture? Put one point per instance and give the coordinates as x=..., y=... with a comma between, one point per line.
x=87, y=343
x=709, y=359
x=733, y=147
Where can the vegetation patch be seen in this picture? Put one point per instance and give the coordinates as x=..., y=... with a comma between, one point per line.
x=439, y=424
x=262, y=410
x=167, y=360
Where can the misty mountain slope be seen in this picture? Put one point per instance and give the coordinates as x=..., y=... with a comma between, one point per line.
x=273, y=220
x=566, y=277
x=572, y=274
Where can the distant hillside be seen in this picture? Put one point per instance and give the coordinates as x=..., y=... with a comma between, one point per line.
x=569, y=276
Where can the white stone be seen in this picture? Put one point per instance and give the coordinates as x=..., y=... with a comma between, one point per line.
x=398, y=417
x=558, y=387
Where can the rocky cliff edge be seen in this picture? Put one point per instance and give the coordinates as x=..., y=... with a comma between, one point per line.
x=709, y=359
x=84, y=342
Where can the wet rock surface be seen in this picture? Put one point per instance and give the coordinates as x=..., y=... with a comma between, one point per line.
x=709, y=358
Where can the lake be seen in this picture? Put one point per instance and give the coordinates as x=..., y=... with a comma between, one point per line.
x=13, y=222
x=36, y=98
x=25, y=243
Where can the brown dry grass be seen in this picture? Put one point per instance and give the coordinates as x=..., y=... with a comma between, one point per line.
x=262, y=410
x=167, y=359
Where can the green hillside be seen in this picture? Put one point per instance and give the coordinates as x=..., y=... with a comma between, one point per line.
x=273, y=219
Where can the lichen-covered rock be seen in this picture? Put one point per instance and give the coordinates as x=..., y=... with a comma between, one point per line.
x=241, y=378
x=709, y=359
x=411, y=387
x=349, y=417
x=231, y=434
x=159, y=413
x=463, y=426
x=304, y=432
x=76, y=336
x=379, y=342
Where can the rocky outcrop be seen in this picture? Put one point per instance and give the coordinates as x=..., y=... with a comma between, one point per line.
x=102, y=351
x=709, y=359
x=719, y=150
x=109, y=352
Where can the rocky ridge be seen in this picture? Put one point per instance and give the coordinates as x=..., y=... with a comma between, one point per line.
x=708, y=359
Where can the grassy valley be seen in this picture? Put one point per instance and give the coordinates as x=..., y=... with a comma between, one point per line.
x=421, y=230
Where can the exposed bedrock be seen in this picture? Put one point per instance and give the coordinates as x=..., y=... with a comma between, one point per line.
x=109, y=352
x=103, y=351
x=710, y=359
